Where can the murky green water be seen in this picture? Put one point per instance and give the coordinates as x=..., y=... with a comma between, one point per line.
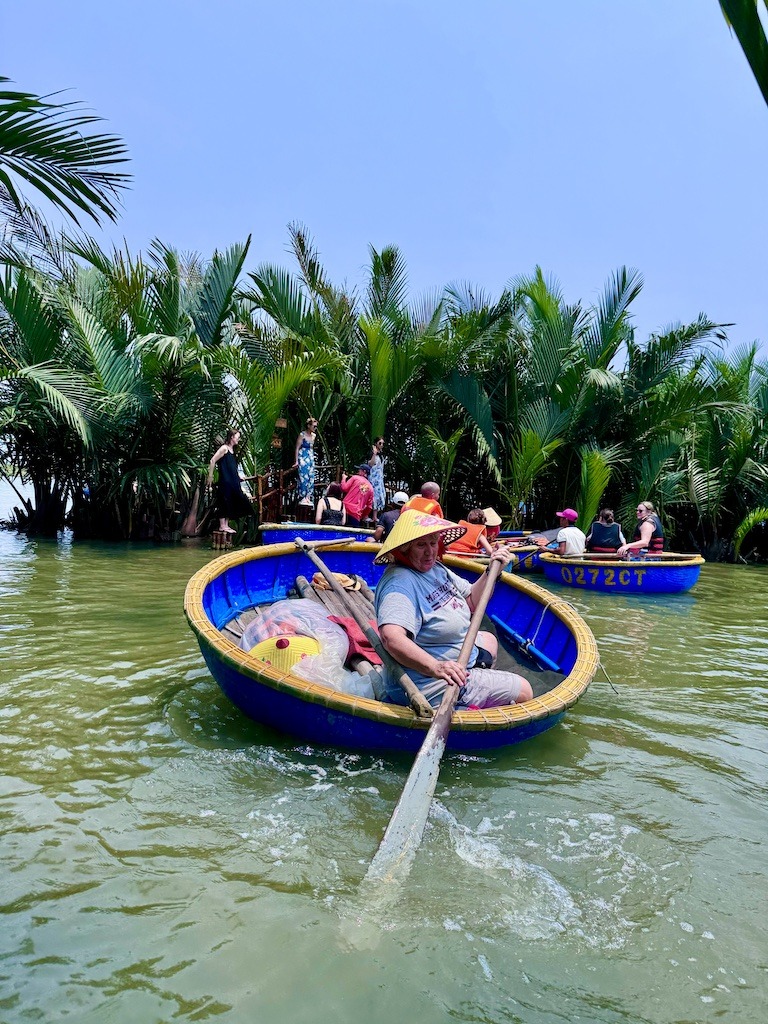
x=163, y=859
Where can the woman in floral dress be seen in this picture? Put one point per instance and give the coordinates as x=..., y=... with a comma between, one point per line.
x=376, y=477
x=305, y=462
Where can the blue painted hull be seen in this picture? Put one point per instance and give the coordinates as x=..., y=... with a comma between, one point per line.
x=280, y=533
x=643, y=576
x=528, y=560
x=234, y=583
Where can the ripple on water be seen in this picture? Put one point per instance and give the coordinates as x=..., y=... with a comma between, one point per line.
x=164, y=858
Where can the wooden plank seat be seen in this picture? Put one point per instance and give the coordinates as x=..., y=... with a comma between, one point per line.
x=235, y=628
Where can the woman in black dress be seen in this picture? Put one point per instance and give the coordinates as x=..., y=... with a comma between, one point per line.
x=230, y=499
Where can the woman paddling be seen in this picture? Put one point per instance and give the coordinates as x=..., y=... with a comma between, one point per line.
x=423, y=612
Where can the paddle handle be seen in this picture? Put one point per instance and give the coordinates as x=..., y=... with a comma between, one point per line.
x=418, y=701
x=491, y=575
x=441, y=723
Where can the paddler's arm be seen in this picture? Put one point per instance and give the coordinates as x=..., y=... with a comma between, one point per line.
x=408, y=654
x=503, y=555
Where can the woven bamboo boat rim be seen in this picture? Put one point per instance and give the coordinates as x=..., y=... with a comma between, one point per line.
x=314, y=528
x=668, y=559
x=554, y=702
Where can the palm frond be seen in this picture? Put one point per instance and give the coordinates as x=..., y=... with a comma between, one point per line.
x=749, y=522
x=50, y=145
x=215, y=300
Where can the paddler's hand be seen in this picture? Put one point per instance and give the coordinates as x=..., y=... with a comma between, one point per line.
x=451, y=671
x=503, y=555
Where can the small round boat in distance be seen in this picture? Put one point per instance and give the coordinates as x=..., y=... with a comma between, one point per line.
x=279, y=533
x=664, y=573
x=546, y=633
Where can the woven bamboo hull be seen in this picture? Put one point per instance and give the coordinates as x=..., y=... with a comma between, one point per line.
x=279, y=533
x=668, y=574
x=233, y=583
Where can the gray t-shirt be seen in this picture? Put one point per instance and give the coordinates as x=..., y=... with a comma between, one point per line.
x=432, y=608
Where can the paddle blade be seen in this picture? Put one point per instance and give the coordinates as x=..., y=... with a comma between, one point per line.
x=406, y=826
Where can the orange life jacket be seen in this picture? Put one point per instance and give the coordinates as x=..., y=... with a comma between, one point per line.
x=469, y=544
x=428, y=505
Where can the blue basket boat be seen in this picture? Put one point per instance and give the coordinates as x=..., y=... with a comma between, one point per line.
x=528, y=559
x=543, y=626
x=666, y=573
x=278, y=533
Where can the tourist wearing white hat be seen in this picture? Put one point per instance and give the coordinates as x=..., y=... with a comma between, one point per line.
x=388, y=519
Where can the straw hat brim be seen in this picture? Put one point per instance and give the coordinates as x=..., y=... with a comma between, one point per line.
x=492, y=517
x=413, y=524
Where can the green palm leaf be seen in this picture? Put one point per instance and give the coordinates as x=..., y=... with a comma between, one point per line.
x=597, y=467
x=750, y=521
x=49, y=145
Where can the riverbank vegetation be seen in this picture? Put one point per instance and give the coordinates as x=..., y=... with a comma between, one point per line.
x=120, y=372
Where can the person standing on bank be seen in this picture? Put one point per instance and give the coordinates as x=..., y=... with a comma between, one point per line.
x=649, y=532
x=230, y=500
x=376, y=477
x=605, y=534
x=358, y=494
x=304, y=461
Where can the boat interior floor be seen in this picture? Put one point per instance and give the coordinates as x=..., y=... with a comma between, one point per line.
x=510, y=659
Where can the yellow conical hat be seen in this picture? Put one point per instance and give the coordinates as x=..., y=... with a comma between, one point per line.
x=412, y=524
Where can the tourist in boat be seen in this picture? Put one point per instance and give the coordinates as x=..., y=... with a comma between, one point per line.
x=649, y=533
x=376, y=477
x=231, y=502
x=605, y=533
x=423, y=611
x=565, y=539
x=304, y=461
x=330, y=509
x=492, y=524
x=358, y=494
x=570, y=540
x=388, y=519
x=428, y=500
x=474, y=541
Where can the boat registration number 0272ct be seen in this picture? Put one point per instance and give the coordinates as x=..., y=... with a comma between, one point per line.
x=585, y=575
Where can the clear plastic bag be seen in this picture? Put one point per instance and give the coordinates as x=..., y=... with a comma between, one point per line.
x=304, y=617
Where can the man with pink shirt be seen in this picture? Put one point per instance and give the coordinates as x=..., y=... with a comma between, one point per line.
x=358, y=494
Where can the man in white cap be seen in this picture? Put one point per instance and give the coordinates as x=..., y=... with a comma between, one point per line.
x=388, y=519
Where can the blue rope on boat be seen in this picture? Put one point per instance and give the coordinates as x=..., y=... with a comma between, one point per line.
x=526, y=645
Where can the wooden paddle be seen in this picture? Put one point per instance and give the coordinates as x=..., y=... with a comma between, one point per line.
x=418, y=701
x=406, y=826
x=321, y=545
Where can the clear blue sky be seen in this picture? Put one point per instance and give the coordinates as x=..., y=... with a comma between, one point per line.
x=482, y=138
